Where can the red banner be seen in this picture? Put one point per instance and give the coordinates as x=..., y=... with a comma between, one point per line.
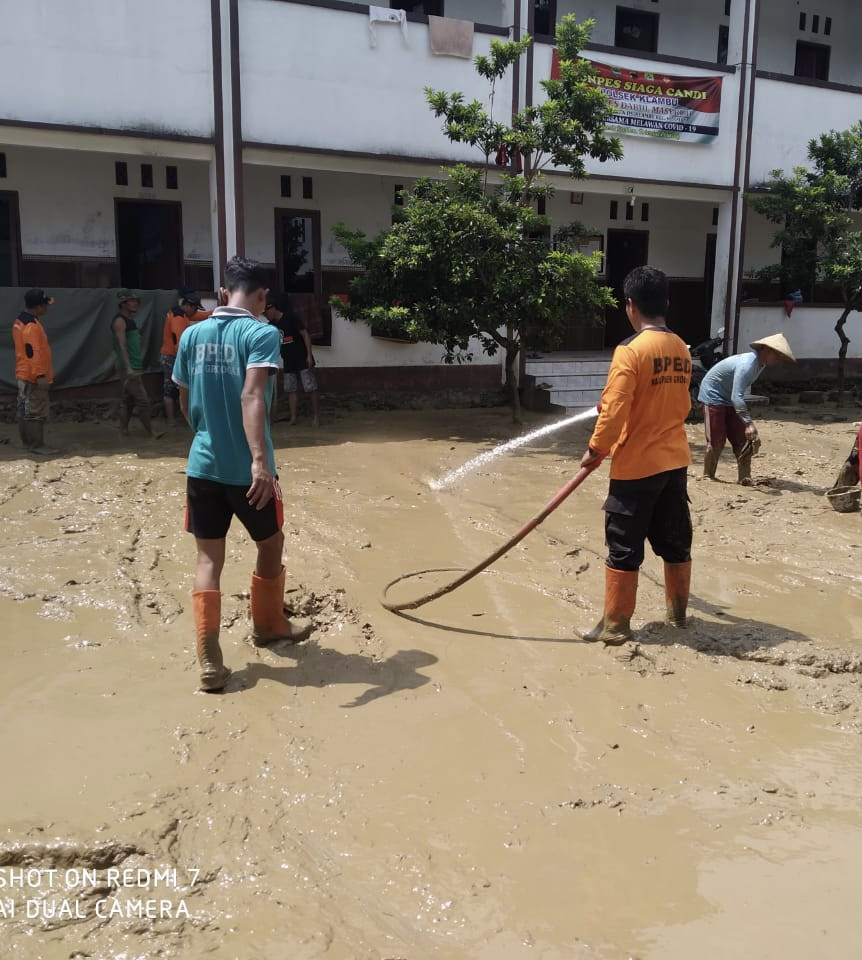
x=657, y=104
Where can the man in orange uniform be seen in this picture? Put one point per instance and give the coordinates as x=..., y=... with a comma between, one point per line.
x=34, y=371
x=642, y=426
x=188, y=311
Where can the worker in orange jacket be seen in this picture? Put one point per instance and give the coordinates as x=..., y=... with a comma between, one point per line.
x=34, y=371
x=641, y=426
x=189, y=310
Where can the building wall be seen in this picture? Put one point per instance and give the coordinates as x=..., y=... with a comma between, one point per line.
x=361, y=203
x=677, y=241
x=678, y=232
x=675, y=36
x=787, y=116
x=677, y=228
x=143, y=66
x=66, y=200
x=759, y=251
x=374, y=96
x=353, y=346
x=779, y=31
x=809, y=330
x=495, y=13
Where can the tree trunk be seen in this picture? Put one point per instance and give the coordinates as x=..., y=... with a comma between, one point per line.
x=842, y=352
x=513, y=348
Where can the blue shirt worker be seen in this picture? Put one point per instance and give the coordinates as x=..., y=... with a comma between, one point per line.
x=224, y=370
x=725, y=412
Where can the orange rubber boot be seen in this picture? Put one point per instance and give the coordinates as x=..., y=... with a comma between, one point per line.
x=677, y=583
x=268, y=615
x=207, y=605
x=621, y=589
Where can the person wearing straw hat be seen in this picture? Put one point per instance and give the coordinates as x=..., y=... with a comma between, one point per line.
x=725, y=413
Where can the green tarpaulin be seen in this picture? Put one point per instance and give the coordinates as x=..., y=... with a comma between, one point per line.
x=79, y=333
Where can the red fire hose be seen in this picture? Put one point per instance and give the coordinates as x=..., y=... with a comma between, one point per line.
x=531, y=525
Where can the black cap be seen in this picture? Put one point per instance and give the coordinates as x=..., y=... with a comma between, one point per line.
x=275, y=300
x=189, y=295
x=37, y=298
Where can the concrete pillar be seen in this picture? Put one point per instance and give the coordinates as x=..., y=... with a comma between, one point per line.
x=725, y=268
x=736, y=33
x=226, y=197
x=229, y=61
x=219, y=245
x=743, y=38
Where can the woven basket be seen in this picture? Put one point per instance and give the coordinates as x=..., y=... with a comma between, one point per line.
x=844, y=499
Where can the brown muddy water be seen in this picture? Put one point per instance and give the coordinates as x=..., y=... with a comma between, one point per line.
x=467, y=782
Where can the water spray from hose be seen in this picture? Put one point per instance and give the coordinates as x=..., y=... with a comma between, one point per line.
x=528, y=527
x=484, y=458
x=556, y=500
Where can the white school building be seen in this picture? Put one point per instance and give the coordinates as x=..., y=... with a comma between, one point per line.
x=142, y=145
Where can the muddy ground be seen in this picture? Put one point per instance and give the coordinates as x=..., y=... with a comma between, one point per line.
x=468, y=782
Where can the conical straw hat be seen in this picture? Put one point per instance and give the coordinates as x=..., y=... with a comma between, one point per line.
x=778, y=343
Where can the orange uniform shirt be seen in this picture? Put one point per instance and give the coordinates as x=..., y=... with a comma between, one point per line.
x=32, y=353
x=174, y=327
x=644, y=406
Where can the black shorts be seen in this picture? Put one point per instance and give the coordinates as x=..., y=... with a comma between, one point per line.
x=210, y=507
x=653, y=508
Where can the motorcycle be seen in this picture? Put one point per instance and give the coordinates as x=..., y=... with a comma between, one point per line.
x=703, y=356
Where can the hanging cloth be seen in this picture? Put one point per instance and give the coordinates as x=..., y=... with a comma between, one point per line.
x=451, y=38
x=385, y=15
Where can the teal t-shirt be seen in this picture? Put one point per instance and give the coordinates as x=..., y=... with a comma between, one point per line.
x=212, y=359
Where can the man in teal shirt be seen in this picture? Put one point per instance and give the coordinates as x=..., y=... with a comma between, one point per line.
x=224, y=370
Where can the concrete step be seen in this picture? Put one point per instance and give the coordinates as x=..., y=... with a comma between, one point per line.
x=572, y=381
x=541, y=369
x=575, y=399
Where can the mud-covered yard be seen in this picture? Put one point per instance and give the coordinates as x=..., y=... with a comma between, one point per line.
x=468, y=782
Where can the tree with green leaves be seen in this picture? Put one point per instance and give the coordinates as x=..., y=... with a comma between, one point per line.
x=468, y=257
x=816, y=209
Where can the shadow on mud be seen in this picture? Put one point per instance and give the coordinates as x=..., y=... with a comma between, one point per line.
x=730, y=636
x=322, y=667
x=772, y=486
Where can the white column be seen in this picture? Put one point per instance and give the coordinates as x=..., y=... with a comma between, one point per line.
x=227, y=136
x=743, y=38
x=215, y=225
x=736, y=31
x=724, y=268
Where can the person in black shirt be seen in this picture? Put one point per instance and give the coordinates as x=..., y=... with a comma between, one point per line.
x=297, y=355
